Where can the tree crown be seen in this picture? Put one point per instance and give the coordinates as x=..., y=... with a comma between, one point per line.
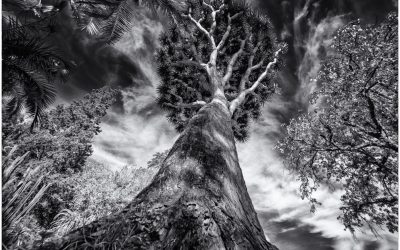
x=351, y=137
x=217, y=48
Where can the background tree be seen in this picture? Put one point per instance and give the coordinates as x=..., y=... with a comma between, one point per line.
x=99, y=192
x=351, y=136
x=54, y=151
x=216, y=69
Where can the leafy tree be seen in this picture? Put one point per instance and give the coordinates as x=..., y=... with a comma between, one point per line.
x=216, y=68
x=351, y=136
x=63, y=140
x=99, y=192
x=200, y=60
x=59, y=147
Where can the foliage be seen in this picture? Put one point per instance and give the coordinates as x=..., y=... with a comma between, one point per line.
x=157, y=159
x=99, y=192
x=351, y=136
x=31, y=66
x=63, y=140
x=218, y=46
x=59, y=147
x=108, y=20
x=20, y=196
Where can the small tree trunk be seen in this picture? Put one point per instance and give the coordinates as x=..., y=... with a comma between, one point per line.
x=197, y=200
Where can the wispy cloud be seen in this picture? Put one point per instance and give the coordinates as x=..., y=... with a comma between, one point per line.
x=133, y=135
x=274, y=190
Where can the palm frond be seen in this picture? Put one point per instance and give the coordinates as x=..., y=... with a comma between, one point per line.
x=66, y=220
x=38, y=92
x=14, y=106
x=32, y=67
x=119, y=22
x=9, y=170
x=19, y=202
x=91, y=28
x=170, y=7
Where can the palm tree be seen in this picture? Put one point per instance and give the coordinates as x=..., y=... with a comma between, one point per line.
x=109, y=19
x=31, y=66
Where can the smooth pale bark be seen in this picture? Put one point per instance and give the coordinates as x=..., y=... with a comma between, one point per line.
x=197, y=200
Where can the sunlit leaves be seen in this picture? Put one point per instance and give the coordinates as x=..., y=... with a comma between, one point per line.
x=350, y=137
x=60, y=146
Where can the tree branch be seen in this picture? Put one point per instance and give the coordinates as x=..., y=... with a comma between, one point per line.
x=232, y=62
x=242, y=95
x=201, y=28
x=213, y=15
x=250, y=68
x=264, y=74
x=228, y=30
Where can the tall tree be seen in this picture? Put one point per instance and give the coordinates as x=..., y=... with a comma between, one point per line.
x=350, y=138
x=216, y=67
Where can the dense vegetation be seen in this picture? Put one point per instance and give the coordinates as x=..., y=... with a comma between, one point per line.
x=350, y=137
x=218, y=44
x=50, y=185
x=47, y=156
x=53, y=203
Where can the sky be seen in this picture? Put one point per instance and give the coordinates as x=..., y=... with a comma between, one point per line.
x=135, y=128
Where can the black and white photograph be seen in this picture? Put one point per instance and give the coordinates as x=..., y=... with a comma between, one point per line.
x=199, y=125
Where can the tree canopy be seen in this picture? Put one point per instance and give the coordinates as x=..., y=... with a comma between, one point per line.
x=217, y=47
x=56, y=149
x=350, y=136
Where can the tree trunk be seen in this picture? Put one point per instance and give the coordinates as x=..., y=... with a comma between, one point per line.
x=197, y=200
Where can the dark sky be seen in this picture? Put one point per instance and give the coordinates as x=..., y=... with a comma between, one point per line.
x=135, y=128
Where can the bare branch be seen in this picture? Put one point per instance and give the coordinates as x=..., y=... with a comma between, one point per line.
x=242, y=95
x=264, y=74
x=194, y=49
x=209, y=6
x=228, y=30
x=232, y=62
x=213, y=15
x=226, y=34
x=201, y=28
x=250, y=67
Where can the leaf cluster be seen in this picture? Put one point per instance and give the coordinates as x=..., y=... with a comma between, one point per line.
x=31, y=68
x=58, y=148
x=351, y=137
x=108, y=20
